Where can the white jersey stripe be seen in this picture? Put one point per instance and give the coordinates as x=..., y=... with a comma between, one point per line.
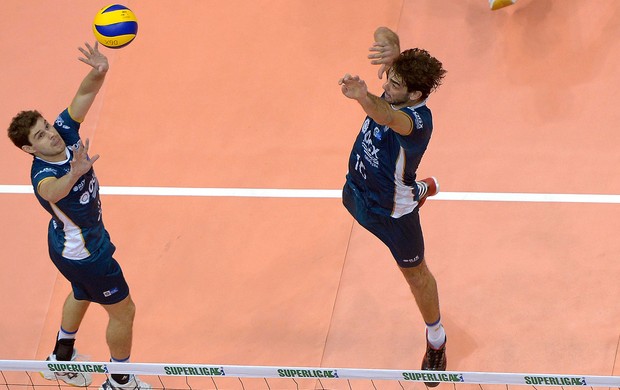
x=74, y=246
x=403, y=194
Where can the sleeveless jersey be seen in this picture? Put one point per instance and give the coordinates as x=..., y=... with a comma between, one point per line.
x=76, y=229
x=383, y=163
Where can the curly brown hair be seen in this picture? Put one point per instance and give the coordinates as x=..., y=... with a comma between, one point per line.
x=20, y=126
x=420, y=71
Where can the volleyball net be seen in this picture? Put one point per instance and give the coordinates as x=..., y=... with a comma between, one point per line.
x=23, y=374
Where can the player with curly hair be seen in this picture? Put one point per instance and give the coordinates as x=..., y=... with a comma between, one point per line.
x=381, y=191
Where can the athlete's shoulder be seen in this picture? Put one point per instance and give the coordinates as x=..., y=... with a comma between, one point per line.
x=43, y=168
x=420, y=115
x=65, y=121
x=68, y=128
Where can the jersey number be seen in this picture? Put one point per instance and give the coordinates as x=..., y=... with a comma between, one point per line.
x=359, y=166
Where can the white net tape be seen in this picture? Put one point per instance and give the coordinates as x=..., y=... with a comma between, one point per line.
x=322, y=374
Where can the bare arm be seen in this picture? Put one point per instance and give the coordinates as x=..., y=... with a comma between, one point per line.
x=378, y=109
x=54, y=189
x=90, y=86
x=385, y=49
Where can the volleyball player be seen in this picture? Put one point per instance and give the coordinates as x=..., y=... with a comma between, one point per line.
x=381, y=191
x=66, y=186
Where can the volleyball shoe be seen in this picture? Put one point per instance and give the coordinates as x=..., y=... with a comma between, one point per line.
x=134, y=384
x=79, y=379
x=427, y=187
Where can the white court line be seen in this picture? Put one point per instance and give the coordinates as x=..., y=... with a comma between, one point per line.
x=306, y=193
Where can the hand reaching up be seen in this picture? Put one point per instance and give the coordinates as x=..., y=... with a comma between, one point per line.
x=94, y=57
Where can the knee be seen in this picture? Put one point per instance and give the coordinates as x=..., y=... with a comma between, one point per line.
x=130, y=311
x=124, y=311
x=418, y=277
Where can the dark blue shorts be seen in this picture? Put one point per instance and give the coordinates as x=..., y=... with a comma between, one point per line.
x=98, y=278
x=403, y=236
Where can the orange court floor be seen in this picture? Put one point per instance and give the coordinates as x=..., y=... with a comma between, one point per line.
x=242, y=94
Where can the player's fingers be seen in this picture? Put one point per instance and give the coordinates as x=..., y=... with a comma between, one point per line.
x=94, y=158
x=81, y=49
x=381, y=71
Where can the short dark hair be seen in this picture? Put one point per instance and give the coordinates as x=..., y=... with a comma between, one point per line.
x=420, y=71
x=20, y=126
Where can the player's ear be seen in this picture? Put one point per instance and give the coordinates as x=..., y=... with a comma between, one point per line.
x=28, y=149
x=415, y=95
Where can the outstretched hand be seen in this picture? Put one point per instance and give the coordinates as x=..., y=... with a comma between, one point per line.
x=81, y=163
x=353, y=87
x=94, y=57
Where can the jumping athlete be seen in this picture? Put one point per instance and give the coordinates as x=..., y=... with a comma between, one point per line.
x=381, y=191
x=66, y=186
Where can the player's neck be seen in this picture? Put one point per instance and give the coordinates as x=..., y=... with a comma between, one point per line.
x=62, y=156
x=408, y=103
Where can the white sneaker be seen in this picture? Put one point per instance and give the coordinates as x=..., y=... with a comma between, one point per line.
x=134, y=384
x=80, y=379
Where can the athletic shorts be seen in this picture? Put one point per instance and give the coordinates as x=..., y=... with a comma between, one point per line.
x=98, y=278
x=403, y=236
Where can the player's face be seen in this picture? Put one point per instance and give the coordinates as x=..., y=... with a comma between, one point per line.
x=45, y=142
x=395, y=89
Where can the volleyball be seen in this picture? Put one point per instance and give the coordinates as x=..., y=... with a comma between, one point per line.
x=115, y=26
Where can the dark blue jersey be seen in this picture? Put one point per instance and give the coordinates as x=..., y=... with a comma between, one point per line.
x=76, y=230
x=383, y=163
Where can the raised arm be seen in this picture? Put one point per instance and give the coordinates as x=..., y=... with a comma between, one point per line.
x=385, y=49
x=90, y=86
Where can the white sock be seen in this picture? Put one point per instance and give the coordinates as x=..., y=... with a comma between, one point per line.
x=63, y=334
x=435, y=334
